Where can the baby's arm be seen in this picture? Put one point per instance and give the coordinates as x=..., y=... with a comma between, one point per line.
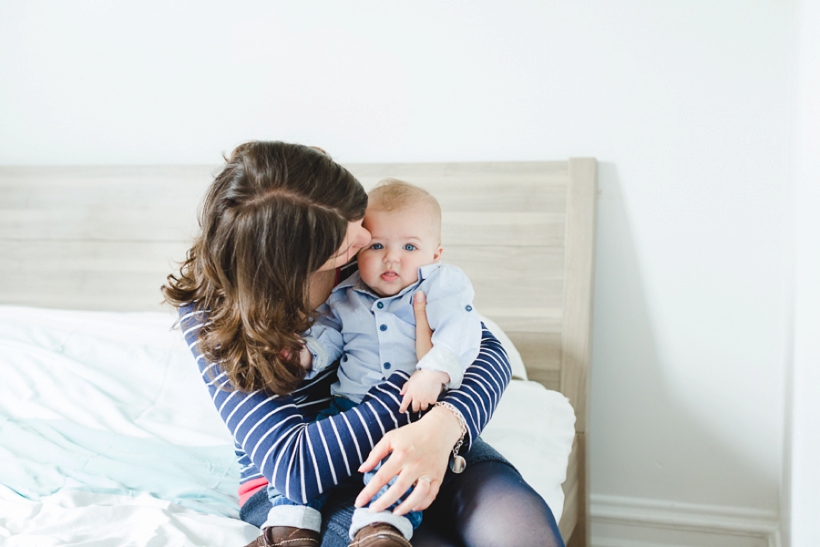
x=455, y=323
x=323, y=341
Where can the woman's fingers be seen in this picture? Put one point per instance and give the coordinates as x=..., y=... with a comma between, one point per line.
x=392, y=494
x=386, y=472
x=419, y=449
x=423, y=494
x=424, y=334
x=379, y=452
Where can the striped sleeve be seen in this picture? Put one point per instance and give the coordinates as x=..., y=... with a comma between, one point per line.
x=484, y=383
x=277, y=440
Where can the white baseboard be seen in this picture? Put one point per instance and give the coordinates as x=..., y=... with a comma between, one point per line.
x=634, y=522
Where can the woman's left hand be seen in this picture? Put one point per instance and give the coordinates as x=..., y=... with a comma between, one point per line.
x=419, y=453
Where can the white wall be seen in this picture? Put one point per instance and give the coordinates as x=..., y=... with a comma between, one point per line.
x=685, y=104
x=802, y=488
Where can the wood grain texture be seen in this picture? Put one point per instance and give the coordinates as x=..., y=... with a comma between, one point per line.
x=572, y=491
x=577, y=324
x=578, y=266
x=576, y=530
x=105, y=238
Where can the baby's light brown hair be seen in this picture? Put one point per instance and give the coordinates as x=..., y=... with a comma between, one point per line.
x=392, y=194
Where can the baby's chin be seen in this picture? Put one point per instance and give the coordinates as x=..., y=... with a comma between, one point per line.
x=384, y=290
x=386, y=293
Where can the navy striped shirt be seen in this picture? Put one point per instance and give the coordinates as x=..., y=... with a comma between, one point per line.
x=276, y=439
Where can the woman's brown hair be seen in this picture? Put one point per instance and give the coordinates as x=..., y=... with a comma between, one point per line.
x=272, y=217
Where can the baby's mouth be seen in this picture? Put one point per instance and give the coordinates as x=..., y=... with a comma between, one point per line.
x=390, y=275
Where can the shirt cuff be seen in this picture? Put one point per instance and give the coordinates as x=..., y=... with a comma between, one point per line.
x=319, y=353
x=443, y=360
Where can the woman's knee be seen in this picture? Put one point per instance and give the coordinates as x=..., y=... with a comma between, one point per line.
x=497, y=507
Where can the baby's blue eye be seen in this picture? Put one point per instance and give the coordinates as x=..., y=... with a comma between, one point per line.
x=409, y=247
x=377, y=246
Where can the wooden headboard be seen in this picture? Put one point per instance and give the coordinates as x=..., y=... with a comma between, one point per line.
x=104, y=238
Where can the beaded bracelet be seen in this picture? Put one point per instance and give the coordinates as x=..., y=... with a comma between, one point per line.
x=457, y=463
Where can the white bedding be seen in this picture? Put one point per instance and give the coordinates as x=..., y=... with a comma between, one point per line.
x=108, y=438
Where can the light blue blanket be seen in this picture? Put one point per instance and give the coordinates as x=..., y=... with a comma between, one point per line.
x=86, y=406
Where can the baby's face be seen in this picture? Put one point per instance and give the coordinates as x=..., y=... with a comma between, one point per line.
x=401, y=242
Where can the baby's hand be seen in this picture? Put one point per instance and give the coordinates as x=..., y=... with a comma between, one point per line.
x=423, y=389
x=305, y=357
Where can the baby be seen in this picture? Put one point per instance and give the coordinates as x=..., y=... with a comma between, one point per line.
x=368, y=321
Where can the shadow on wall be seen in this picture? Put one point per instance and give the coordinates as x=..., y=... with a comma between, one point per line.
x=645, y=442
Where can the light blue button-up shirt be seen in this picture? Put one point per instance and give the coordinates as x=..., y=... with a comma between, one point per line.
x=375, y=336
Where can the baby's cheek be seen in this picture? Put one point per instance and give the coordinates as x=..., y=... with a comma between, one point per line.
x=367, y=270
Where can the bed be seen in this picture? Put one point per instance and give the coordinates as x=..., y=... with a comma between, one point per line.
x=103, y=439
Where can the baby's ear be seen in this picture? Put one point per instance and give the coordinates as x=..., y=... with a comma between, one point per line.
x=437, y=254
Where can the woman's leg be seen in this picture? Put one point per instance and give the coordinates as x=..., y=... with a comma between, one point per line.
x=490, y=505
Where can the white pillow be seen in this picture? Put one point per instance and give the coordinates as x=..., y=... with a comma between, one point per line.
x=533, y=427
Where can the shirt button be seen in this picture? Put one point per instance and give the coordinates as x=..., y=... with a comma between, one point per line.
x=387, y=365
x=469, y=308
x=380, y=305
x=383, y=328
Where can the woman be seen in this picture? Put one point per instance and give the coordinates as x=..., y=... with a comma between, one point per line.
x=278, y=223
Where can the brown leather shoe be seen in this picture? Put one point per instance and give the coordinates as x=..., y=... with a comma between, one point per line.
x=286, y=536
x=379, y=534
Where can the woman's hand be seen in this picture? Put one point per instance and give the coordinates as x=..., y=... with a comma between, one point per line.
x=419, y=453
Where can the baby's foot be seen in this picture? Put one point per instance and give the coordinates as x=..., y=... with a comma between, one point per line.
x=379, y=534
x=286, y=536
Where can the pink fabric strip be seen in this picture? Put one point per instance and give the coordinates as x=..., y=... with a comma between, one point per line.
x=248, y=489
